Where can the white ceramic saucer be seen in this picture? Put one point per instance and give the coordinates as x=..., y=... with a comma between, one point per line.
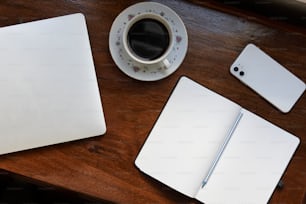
x=126, y=64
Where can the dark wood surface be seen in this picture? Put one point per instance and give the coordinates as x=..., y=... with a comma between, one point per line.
x=103, y=167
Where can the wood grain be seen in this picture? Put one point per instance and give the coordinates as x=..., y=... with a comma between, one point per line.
x=103, y=167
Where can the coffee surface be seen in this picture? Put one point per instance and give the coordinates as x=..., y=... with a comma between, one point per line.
x=148, y=39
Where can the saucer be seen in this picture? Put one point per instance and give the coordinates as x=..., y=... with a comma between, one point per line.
x=141, y=72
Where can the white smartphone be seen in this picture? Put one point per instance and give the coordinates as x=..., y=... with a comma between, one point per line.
x=268, y=78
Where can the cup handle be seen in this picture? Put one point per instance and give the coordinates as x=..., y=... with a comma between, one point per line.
x=166, y=63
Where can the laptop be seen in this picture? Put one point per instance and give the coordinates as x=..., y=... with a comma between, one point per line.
x=48, y=86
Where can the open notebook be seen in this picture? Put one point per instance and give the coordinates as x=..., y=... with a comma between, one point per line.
x=48, y=86
x=188, y=136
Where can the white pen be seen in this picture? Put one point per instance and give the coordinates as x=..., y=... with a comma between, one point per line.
x=221, y=150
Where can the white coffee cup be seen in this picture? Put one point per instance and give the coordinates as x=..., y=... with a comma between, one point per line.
x=137, y=48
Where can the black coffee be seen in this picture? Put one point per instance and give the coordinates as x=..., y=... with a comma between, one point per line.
x=148, y=39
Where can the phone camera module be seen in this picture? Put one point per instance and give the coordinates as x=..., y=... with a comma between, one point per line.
x=236, y=69
x=241, y=73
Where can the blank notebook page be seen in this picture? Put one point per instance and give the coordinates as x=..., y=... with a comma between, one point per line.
x=252, y=163
x=187, y=136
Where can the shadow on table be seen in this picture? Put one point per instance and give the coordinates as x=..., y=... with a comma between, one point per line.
x=17, y=190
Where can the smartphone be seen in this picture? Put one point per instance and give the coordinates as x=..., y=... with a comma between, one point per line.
x=268, y=78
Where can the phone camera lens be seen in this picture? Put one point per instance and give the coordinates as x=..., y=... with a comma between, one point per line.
x=236, y=69
x=241, y=73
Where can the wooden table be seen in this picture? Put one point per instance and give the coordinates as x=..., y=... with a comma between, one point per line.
x=103, y=167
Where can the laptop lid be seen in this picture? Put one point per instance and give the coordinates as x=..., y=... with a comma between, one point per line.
x=48, y=86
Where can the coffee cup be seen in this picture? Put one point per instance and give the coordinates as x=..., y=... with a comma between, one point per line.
x=148, y=40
